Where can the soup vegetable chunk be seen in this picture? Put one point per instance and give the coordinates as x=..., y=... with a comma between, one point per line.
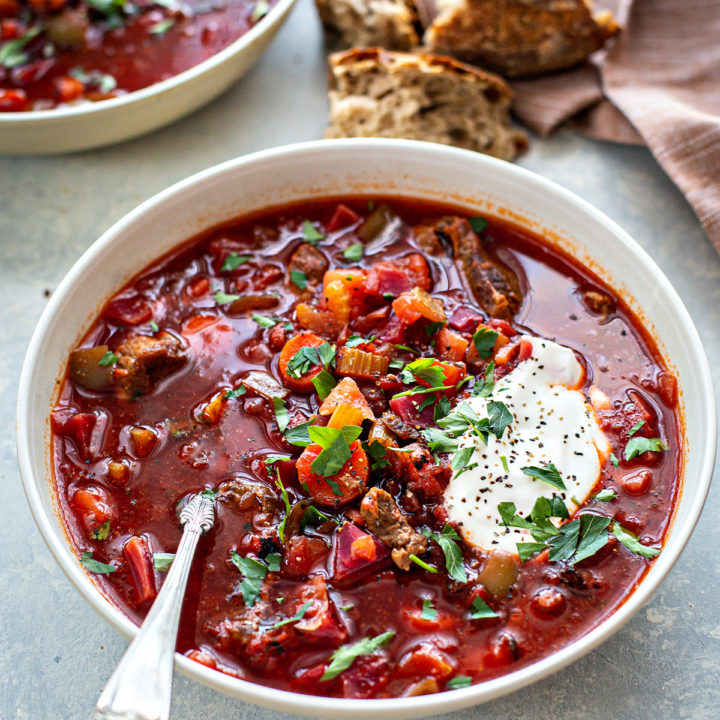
x=439, y=448
x=59, y=52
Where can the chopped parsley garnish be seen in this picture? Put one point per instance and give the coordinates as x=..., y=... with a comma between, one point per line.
x=86, y=560
x=264, y=320
x=273, y=458
x=233, y=261
x=209, y=494
x=432, y=327
x=282, y=418
x=346, y=655
x=614, y=460
x=484, y=341
x=355, y=340
x=308, y=357
x=335, y=446
x=548, y=474
x=631, y=542
x=459, y=681
x=448, y=540
x=286, y=500
x=499, y=417
x=109, y=358
x=236, y=392
x=484, y=386
x=298, y=278
x=423, y=369
x=421, y=563
x=635, y=428
x=605, y=495
x=223, y=298
x=639, y=445
x=461, y=459
x=504, y=462
x=478, y=224
x=11, y=52
x=481, y=610
x=310, y=234
x=324, y=382
x=313, y=516
x=376, y=452
x=154, y=326
x=354, y=253
x=253, y=572
x=407, y=348
x=295, y=618
x=298, y=434
x=161, y=27
x=442, y=408
x=101, y=532
x=163, y=561
x=273, y=562
x=428, y=610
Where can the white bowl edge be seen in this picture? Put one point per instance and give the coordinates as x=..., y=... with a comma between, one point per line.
x=313, y=169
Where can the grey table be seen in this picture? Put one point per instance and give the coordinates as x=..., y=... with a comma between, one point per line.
x=56, y=653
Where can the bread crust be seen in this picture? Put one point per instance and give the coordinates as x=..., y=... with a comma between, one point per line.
x=519, y=38
x=380, y=93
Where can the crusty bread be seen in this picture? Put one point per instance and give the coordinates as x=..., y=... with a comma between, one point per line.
x=365, y=23
x=518, y=38
x=377, y=93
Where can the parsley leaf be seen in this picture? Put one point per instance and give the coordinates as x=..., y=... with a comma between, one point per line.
x=307, y=357
x=421, y=563
x=275, y=457
x=635, y=428
x=614, y=460
x=335, y=446
x=355, y=340
x=354, y=253
x=11, y=52
x=299, y=278
x=281, y=414
x=154, y=326
x=529, y=549
x=446, y=539
x=478, y=224
x=346, y=655
x=442, y=408
x=461, y=459
x=593, y=536
x=236, y=392
x=481, y=610
x=273, y=562
x=639, y=445
x=86, y=560
x=428, y=610
x=295, y=618
x=313, y=516
x=484, y=341
x=324, y=382
x=499, y=418
x=548, y=474
x=459, y=681
x=606, y=495
x=423, y=369
x=232, y=261
x=109, y=358
x=163, y=561
x=101, y=532
x=222, y=298
x=377, y=452
x=485, y=385
x=311, y=234
x=298, y=434
x=438, y=440
x=631, y=542
x=264, y=321
x=253, y=572
x=286, y=500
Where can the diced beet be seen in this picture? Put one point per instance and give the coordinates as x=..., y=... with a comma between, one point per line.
x=393, y=332
x=465, y=319
x=408, y=410
x=79, y=429
x=137, y=554
x=366, y=677
x=342, y=217
x=303, y=553
x=387, y=278
x=288, y=473
x=346, y=563
x=366, y=324
x=502, y=326
x=129, y=311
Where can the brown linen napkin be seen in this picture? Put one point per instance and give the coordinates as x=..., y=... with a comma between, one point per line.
x=659, y=84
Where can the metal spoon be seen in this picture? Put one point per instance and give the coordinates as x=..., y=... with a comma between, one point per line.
x=141, y=686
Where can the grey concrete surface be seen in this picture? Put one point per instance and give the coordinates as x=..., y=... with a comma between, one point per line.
x=56, y=653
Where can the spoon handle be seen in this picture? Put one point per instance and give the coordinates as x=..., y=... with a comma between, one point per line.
x=141, y=686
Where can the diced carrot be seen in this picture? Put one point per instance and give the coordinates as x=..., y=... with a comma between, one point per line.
x=345, y=415
x=363, y=548
x=68, y=88
x=203, y=657
x=211, y=411
x=304, y=383
x=137, y=554
x=346, y=392
x=143, y=440
x=94, y=508
x=440, y=622
x=198, y=287
x=319, y=321
x=343, y=487
x=344, y=293
x=426, y=660
x=450, y=345
x=118, y=473
x=199, y=322
x=416, y=304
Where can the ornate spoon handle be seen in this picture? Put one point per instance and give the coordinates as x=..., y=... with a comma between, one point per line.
x=141, y=686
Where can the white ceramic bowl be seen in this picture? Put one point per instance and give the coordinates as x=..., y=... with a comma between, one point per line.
x=388, y=167
x=90, y=125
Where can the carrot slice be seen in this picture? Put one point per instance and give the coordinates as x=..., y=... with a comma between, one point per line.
x=416, y=304
x=347, y=392
x=304, y=383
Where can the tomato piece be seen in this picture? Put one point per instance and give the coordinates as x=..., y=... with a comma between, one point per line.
x=303, y=553
x=343, y=217
x=79, y=429
x=13, y=100
x=137, y=555
x=94, y=508
x=464, y=319
x=304, y=383
x=450, y=345
x=424, y=475
x=346, y=392
x=68, y=88
x=129, y=311
x=341, y=488
x=416, y=304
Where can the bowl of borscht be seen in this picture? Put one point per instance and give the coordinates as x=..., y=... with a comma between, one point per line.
x=78, y=74
x=457, y=425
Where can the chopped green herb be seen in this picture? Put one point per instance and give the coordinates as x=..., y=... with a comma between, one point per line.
x=335, y=446
x=407, y=348
x=324, y=382
x=253, y=572
x=442, y=408
x=614, y=460
x=548, y=474
x=233, y=261
x=264, y=321
x=421, y=563
x=273, y=458
x=484, y=341
x=631, y=542
x=448, y=540
x=499, y=418
x=161, y=27
x=222, y=298
x=346, y=655
x=109, y=358
x=377, y=452
x=86, y=560
x=298, y=434
x=273, y=562
x=428, y=610
x=295, y=618
x=593, y=536
x=307, y=357
x=261, y=9
x=299, y=278
x=355, y=340
x=461, y=459
x=427, y=402
x=504, y=462
x=314, y=517
x=459, y=681
x=635, y=428
x=605, y=495
x=286, y=500
x=163, y=561
x=346, y=607
x=209, y=494
x=484, y=386
x=388, y=296
x=101, y=532
x=432, y=327
x=235, y=393
x=423, y=369
x=481, y=610
x=282, y=418
x=478, y=224
x=354, y=253
x=11, y=52
x=639, y=445
x=310, y=234
x=154, y=326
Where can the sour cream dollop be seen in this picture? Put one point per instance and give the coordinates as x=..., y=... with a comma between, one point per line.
x=552, y=423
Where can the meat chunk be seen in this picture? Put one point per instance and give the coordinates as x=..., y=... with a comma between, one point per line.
x=494, y=285
x=598, y=302
x=243, y=494
x=393, y=423
x=310, y=261
x=144, y=360
x=384, y=520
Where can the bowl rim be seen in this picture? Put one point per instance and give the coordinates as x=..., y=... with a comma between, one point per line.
x=311, y=705
x=275, y=15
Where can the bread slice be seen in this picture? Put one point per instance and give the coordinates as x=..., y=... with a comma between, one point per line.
x=517, y=38
x=365, y=23
x=378, y=93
